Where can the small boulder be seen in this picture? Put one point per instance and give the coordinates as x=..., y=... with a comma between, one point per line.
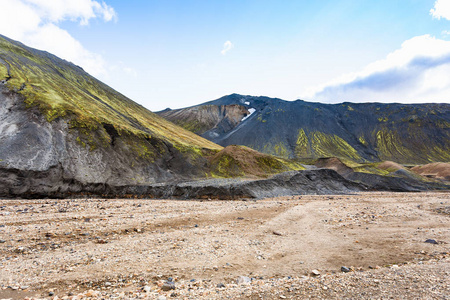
x=431, y=241
x=345, y=269
x=168, y=285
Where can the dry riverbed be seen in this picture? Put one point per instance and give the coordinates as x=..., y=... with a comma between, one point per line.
x=265, y=249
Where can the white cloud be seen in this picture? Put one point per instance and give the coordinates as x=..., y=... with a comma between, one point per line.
x=227, y=46
x=417, y=72
x=441, y=9
x=35, y=23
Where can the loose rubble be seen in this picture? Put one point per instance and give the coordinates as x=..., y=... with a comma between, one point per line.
x=369, y=245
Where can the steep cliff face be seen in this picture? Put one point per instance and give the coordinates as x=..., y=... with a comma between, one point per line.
x=405, y=133
x=209, y=121
x=37, y=156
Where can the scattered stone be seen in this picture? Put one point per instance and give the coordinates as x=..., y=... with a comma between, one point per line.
x=108, y=283
x=345, y=269
x=315, y=272
x=146, y=289
x=91, y=293
x=20, y=250
x=24, y=287
x=431, y=241
x=221, y=286
x=243, y=280
x=168, y=285
x=162, y=297
x=277, y=233
x=2, y=241
x=51, y=293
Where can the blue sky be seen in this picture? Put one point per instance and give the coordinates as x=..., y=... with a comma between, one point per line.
x=180, y=53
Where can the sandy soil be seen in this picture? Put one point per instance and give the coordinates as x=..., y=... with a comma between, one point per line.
x=128, y=248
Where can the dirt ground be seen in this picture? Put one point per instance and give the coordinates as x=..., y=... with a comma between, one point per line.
x=116, y=248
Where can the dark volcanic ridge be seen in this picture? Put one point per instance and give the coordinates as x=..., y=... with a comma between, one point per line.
x=362, y=132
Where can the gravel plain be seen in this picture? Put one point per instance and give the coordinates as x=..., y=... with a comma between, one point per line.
x=361, y=246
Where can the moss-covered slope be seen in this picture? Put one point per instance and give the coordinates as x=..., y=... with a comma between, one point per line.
x=60, y=89
x=235, y=161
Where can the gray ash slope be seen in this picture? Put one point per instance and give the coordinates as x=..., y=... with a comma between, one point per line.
x=321, y=181
x=405, y=133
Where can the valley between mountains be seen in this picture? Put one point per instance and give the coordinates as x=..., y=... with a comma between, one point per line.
x=101, y=198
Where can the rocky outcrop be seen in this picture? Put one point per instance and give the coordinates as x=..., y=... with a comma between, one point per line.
x=209, y=121
x=49, y=156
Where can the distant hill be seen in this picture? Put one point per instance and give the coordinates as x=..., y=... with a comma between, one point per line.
x=62, y=131
x=360, y=132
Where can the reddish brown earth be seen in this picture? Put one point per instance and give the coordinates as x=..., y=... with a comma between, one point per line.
x=437, y=170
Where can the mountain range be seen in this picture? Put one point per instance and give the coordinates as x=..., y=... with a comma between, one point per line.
x=360, y=132
x=63, y=133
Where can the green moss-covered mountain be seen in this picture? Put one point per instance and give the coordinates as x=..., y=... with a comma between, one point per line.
x=360, y=132
x=60, y=89
x=63, y=131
